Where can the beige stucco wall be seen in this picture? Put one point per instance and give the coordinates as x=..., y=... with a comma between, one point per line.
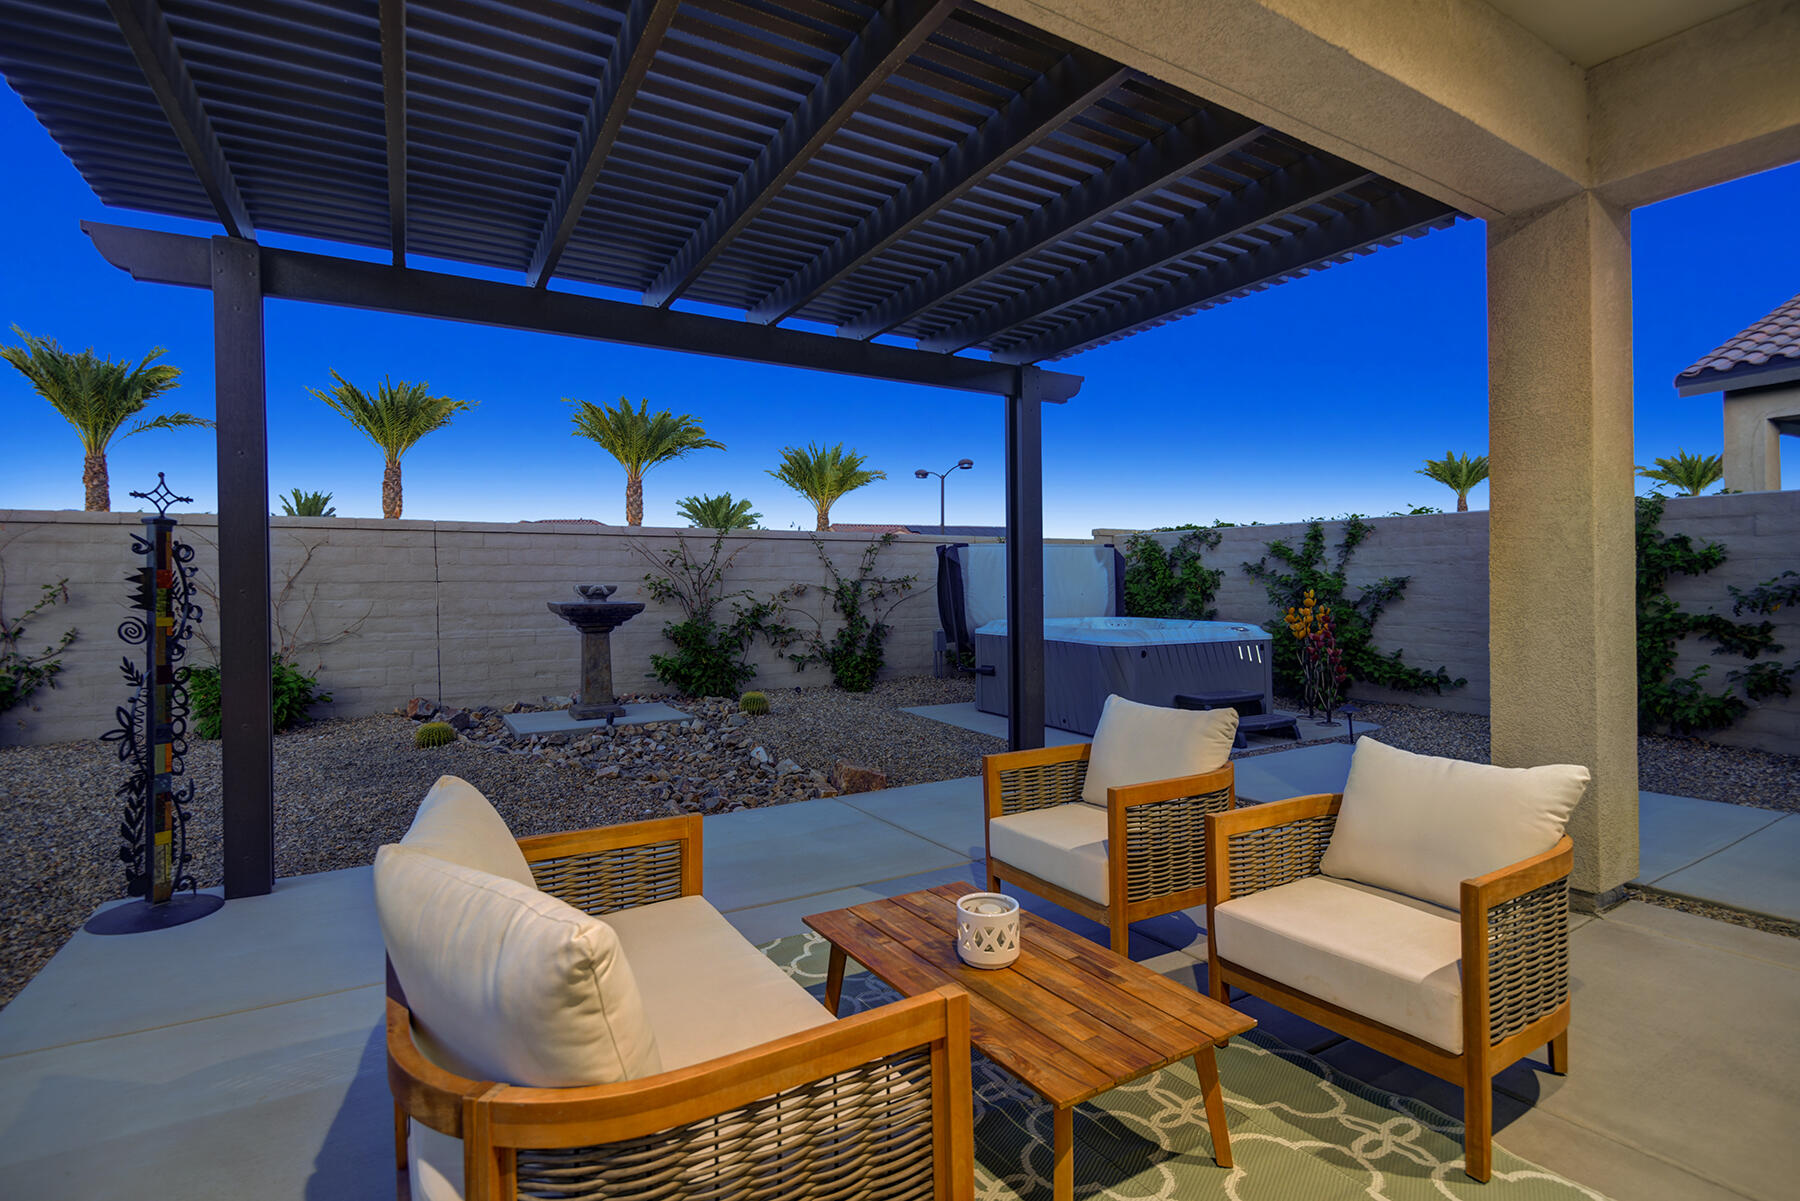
x=1443, y=618
x=1752, y=441
x=453, y=611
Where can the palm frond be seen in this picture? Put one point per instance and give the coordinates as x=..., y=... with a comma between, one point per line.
x=717, y=512
x=170, y=421
x=638, y=438
x=1693, y=474
x=1459, y=473
x=824, y=475
x=397, y=416
x=94, y=394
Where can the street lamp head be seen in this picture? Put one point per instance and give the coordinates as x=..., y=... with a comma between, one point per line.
x=922, y=473
x=966, y=464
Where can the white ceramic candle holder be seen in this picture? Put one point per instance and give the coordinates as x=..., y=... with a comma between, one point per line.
x=987, y=929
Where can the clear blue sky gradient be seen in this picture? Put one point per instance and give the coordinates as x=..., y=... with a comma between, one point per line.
x=1317, y=397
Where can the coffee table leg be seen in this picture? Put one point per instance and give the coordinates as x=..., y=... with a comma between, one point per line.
x=1206, y=1066
x=834, y=979
x=1062, y=1171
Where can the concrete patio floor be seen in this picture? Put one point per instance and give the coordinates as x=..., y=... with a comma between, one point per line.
x=241, y=1055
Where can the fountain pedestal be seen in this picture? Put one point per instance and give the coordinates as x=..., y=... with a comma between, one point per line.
x=596, y=617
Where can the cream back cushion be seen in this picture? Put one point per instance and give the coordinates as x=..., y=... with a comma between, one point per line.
x=507, y=983
x=456, y=823
x=1420, y=825
x=1135, y=744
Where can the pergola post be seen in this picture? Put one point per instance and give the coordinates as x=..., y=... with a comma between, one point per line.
x=1562, y=643
x=1025, y=561
x=246, y=705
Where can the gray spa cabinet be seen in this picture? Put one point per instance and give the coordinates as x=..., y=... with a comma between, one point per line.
x=1145, y=659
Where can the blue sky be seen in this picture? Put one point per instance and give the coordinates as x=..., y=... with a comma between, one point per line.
x=1314, y=398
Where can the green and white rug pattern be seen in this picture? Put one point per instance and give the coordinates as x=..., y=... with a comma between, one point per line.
x=1300, y=1130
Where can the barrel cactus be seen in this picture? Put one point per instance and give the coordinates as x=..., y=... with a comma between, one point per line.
x=434, y=733
x=753, y=703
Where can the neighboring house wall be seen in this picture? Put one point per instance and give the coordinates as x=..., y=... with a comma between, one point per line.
x=447, y=610
x=1755, y=420
x=1443, y=616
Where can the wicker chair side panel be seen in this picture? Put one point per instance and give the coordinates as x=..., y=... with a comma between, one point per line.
x=1165, y=844
x=1528, y=958
x=1023, y=789
x=1277, y=855
x=865, y=1133
x=600, y=882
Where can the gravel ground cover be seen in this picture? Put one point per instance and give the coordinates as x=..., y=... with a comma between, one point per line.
x=342, y=788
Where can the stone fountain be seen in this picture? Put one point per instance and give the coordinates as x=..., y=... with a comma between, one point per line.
x=596, y=617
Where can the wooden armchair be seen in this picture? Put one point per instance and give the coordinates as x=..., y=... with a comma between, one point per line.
x=874, y=1103
x=1513, y=949
x=1142, y=856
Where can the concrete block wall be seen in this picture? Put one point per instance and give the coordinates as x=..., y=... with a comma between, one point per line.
x=1443, y=616
x=454, y=611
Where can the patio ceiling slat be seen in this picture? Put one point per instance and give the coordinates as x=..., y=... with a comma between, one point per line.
x=921, y=169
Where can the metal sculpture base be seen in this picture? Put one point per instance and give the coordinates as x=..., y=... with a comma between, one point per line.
x=139, y=917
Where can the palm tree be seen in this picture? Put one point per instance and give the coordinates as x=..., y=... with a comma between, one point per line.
x=640, y=440
x=1693, y=474
x=824, y=476
x=718, y=512
x=307, y=504
x=395, y=418
x=1459, y=473
x=96, y=396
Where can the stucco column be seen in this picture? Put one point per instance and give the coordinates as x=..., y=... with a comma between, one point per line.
x=1754, y=421
x=1563, y=645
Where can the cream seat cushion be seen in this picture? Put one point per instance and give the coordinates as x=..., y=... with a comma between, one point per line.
x=1135, y=744
x=1422, y=825
x=456, y=823
x=507, y=983
x=707, y=990
x=1064, y=845
x=1386, y=957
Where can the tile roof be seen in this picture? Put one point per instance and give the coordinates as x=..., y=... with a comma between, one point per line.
x=1771, y=344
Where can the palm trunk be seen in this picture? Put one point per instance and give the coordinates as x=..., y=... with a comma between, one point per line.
x=390, y=490
x=1462, y=502
x=93, y=478
x=634, y=499
x=824, y=517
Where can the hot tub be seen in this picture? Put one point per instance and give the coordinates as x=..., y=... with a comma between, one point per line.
x=1146, y=659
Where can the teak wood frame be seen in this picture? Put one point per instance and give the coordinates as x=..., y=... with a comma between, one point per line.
x=495, y=1121
x=1064, y=787
x=1484, y=1055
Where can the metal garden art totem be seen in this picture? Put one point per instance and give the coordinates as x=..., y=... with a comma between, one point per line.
x=152, y=733
x=1322, y=670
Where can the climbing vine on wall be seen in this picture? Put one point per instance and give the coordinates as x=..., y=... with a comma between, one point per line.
x=1171, y=581
x=1684, y=704
x=1309, y=567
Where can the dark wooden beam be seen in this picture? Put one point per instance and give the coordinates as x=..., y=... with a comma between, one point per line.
x=295, y=275
x=634, y=49
x=1068, y=89
x=891, y=37
x=1395, y=216
x=1025, y=565
x=147, y=33
x=1179, y=151
x=393, y=98
x=1306, y=182
x=246, y=704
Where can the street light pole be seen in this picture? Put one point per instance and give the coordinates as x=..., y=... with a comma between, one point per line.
x=921, y=473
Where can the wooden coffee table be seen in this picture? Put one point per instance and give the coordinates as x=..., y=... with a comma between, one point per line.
x=1069, y=1018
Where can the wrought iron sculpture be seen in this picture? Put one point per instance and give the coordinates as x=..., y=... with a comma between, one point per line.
x=152, y=733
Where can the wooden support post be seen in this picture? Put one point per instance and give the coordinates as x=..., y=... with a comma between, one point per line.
x=1025, y=562
x=245, y=703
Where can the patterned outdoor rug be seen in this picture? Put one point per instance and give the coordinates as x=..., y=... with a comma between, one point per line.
x=1300, y=1130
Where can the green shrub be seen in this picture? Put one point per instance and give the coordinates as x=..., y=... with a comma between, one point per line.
x=754, y=703
x=434, y=733
x=292, y=692
x=711, y=656
x=22, y=674
x=857, y=650
x=1171, y=582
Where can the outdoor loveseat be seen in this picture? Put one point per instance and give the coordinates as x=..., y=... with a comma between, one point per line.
x=1423, y=911
x=537, y=1048
x=1114, y=830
